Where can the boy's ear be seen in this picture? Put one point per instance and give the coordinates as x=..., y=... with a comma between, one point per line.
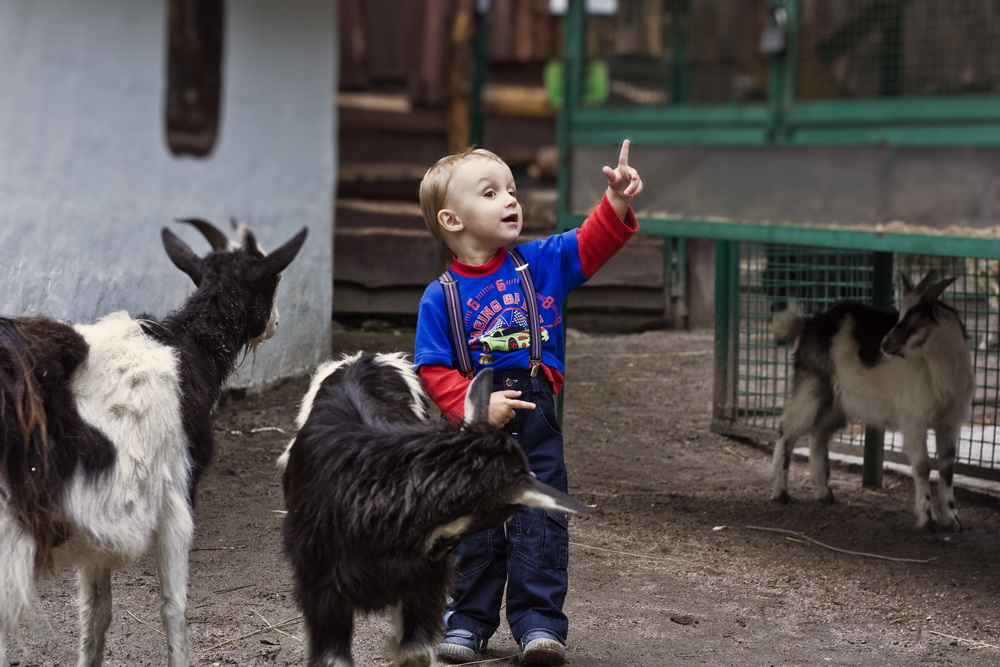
x=448, y=220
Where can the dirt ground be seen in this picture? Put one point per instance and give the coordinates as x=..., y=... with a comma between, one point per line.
x=669, y=573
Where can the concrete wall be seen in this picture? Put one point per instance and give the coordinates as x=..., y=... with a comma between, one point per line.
x=87, y=180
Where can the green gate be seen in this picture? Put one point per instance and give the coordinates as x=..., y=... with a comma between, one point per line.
x=826, y=146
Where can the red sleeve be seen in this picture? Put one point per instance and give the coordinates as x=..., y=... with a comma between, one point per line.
x=447, y=388
x=602, y=235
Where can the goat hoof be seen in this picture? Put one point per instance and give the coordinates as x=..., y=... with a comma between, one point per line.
x=954, y=527
x=782, y=498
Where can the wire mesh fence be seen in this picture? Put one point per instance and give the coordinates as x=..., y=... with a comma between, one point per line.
x=659, y=52
x=890, y=48
x=775, y=277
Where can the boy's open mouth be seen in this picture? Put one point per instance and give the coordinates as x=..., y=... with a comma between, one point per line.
x=511, y=218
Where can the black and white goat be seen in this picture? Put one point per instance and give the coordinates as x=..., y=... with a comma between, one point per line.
x=378, y=494
x=909, y=371
x=107, y=427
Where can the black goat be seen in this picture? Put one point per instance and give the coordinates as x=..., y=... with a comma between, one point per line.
x=378, y=496
x=106, y=428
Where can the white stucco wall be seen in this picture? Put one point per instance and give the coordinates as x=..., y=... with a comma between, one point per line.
x=87, y=180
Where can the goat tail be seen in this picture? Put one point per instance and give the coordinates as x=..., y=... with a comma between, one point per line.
x=26, y=462
x=787, y=326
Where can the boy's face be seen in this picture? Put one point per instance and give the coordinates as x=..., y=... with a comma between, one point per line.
x=483, y=204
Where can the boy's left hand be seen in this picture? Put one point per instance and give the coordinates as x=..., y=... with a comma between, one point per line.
x=623, y=181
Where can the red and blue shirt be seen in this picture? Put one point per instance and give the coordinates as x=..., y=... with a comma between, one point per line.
x=495, y=317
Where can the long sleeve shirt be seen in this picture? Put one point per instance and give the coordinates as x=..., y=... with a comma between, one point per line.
x=495, y=318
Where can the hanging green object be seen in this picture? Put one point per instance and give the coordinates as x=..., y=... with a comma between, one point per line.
x=595, y=83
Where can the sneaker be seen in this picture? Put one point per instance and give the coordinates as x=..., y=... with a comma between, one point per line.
x=543, y=648
x=459, y=646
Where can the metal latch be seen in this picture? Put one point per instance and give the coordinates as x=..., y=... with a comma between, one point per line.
x=773, y=38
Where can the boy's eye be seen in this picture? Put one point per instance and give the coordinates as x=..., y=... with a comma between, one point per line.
x=489, y=194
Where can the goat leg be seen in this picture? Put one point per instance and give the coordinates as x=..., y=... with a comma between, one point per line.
x=915, y=446
x=780, y=462
x=94, y=584
x=173, y=542
x=947, y=437
x=17, y=575
x=329, y=623
x=419, y=623
x=819, y=465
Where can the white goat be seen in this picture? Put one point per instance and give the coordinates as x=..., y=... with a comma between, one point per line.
x=105, y=429
x=910, y=372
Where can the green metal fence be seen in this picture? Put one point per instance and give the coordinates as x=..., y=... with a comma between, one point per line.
x=772, y=277
x=787, y=78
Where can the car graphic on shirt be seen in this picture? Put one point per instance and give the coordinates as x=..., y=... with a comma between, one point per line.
x=508, y=339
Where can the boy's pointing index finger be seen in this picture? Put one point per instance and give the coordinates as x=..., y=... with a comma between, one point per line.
x=623, y=155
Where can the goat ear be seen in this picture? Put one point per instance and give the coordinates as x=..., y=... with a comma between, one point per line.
x=907, y=285
x=182, y=256
x=212, y=234
x=536, y=494
x=935, y=290
x=276, y=262
x=477, y=397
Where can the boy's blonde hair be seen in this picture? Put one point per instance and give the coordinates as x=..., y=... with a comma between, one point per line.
x=434, y=186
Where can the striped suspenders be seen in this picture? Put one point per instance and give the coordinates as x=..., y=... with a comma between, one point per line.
x=454, y=305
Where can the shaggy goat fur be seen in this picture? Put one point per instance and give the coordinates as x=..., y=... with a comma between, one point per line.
x=378, y=495
x=106, y=428
x=909, y=371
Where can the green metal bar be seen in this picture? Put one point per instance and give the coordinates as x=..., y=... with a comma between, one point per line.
x=874, y=450
x=815, y=235
x=930, y=136
x=667, y=135
x=573, y=36
x=480, y=64
x=934, y=110
x=782, y=72
x=680, y=281
x=680, y=84
x=693, y=114
x=726, y=287
x=892, y=49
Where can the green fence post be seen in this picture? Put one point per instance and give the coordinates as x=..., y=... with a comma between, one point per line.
x=480, y=66
x=871, y=471
x=726, y=293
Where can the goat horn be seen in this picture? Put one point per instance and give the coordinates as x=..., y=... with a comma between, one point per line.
x=935, y=290
x=250, y=240
x=247, y=237
x=216, y=238
x=926, y=281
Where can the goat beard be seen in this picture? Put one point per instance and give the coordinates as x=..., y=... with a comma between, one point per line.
x=250, y=351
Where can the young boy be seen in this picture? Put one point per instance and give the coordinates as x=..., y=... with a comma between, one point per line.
x=469, y=203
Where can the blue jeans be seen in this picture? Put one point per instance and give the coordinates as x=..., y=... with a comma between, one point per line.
x=530, y=553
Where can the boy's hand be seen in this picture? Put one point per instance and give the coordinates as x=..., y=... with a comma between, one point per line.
x=623, y=182
x=503, y=404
